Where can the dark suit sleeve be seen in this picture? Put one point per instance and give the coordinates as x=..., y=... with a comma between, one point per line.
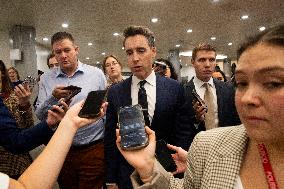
x=18, y=140
x=111, y=151
x=227, y=112
x=184, y=127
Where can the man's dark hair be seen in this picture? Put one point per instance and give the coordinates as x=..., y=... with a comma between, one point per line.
x=202, y=47
x=273, y=36
x=60, y=36
x=51, y=55
x=139, y=30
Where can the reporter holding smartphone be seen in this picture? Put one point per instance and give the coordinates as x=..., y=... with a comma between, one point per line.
x=43, y=172
x=18, y=104
x=84, y=165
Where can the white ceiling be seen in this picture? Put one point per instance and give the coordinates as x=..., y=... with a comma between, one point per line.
x=96, y=20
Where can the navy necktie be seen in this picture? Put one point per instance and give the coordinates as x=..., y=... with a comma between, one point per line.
x=142, y=100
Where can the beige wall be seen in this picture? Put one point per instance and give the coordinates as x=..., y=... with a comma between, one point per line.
x=5, y=48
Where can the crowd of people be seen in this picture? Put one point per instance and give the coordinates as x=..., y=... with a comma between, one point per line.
x=221, y=133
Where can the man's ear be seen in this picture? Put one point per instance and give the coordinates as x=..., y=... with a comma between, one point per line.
x=154, y=50
x=192, y=61
x=77, y=49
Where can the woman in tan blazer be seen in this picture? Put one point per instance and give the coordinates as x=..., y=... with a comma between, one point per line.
x=247, y=156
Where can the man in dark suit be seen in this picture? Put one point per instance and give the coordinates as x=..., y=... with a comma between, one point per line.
x=22, y=140
x=164, y=98
x=222, y=93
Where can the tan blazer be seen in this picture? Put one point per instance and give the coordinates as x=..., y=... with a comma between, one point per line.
x=214, y=161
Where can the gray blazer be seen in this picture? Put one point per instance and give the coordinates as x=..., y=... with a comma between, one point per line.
x=214, y=161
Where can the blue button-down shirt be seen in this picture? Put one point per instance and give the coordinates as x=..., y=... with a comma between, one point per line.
x=87, y=77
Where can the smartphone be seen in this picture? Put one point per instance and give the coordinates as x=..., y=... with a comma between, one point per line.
x=70, y=96
x=163, y=155
x=71, y=88
x=93, y=104
x=132, y=128
x=160, y=67
x=30, y=81
x=197, y=98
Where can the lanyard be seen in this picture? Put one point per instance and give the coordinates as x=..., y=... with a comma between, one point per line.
x=270, y=178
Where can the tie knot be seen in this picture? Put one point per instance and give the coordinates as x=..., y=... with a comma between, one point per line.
x=142, y=83
x=206, y=85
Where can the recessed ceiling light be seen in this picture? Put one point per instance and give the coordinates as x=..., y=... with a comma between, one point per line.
x=185, y=64
x=90, y=44
x=221, y=56
x=177, y=45
x=189, y=30
x=103, y=53
x=98, y=62
x=115, y=34
x=87, y=58
x=122, y=48
x=230, y=44
x=215, y=1
x=45, y=39
x=213, y=38
x=154, y=20
x=262, y=28
x=65, y=25
x=244, y=17
x=186, y=53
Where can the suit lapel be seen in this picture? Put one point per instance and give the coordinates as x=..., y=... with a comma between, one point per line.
x=125, y=93
x=220, y=103
x=159, y=96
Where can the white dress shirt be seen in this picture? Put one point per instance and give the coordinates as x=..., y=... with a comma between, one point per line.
x=4, y=181
x=150, y=87
x=200, y=89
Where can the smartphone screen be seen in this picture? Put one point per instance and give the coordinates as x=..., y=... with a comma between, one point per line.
x=164, y=156
x=132, y=128
x=93, y=103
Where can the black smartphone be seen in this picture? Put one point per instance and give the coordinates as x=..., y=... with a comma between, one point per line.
x=132, y=128
x=197, y=98
x=93, y=104
x=160, y=67
x=163, y=155
x=72, y=88
x=70, y=96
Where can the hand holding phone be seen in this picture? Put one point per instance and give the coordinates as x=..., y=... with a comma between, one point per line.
x=164, y=156
x=29, y=81
x=160, y=68
x=93, y=104
x=197, y=98
x=132, y=128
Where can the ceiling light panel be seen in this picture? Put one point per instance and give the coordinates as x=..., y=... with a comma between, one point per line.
x=65, y=25
x=244, y=17
x=154, y=20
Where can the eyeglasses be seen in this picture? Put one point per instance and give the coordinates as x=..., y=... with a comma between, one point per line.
x=111, y=64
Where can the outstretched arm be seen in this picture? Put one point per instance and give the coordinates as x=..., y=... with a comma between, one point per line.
x=43, y=172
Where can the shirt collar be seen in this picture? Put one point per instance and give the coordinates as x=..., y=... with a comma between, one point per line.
x=198, y=83
x=80, y=69
x=151, y=79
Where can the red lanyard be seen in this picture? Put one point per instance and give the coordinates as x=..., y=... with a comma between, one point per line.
x=270, y=178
